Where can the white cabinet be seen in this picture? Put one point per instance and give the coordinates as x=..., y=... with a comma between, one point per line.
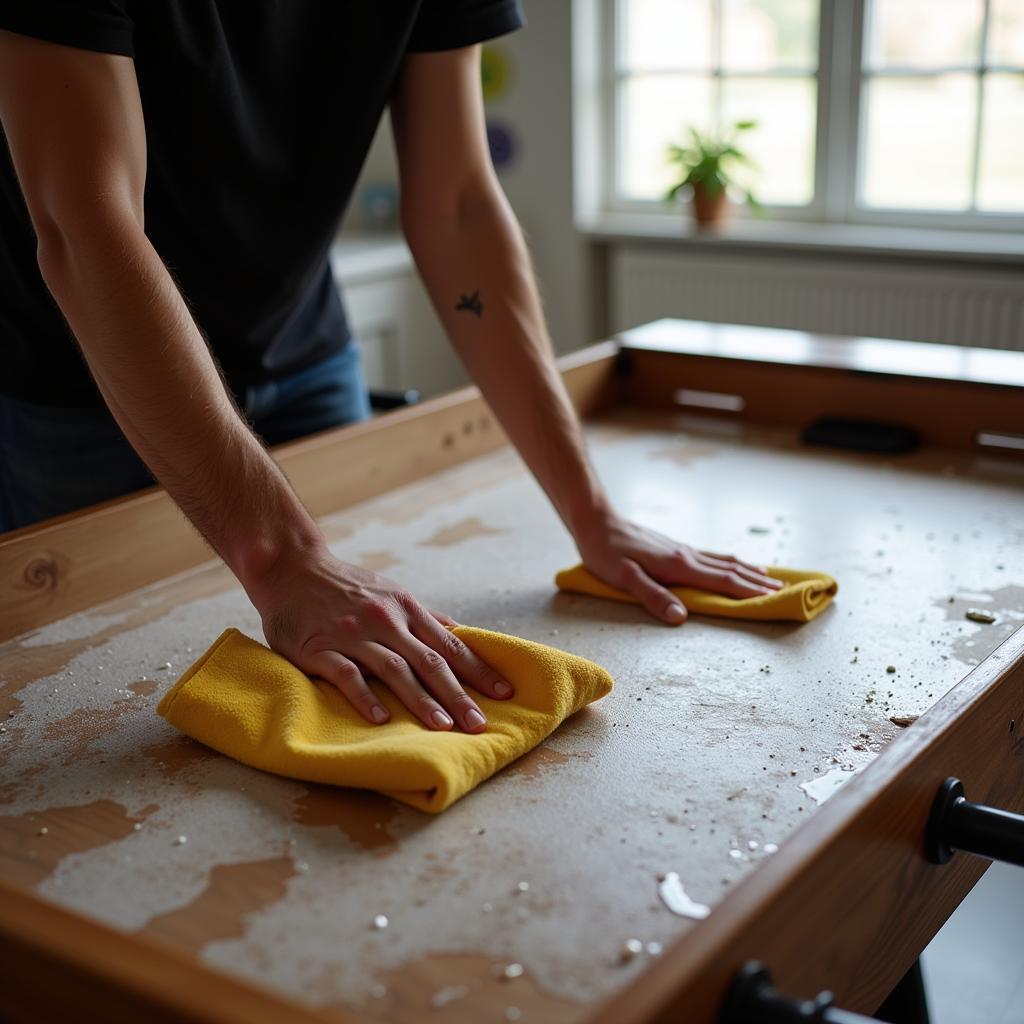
x=403, y=343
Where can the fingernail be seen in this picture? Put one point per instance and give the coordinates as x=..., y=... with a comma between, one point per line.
x=675, y=613
x=378, y=714
x=474, y=719
x=502, y=689
x=441, y=720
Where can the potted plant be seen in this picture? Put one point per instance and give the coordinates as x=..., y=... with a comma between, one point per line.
x=705, y=164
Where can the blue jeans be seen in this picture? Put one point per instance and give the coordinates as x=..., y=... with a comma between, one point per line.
x=55, y=460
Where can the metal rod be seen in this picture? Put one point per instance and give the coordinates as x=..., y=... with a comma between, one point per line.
x=985, y=831
x=957, y=824
x=752, y=999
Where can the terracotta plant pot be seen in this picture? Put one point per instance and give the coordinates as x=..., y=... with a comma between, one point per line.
x=709, y=209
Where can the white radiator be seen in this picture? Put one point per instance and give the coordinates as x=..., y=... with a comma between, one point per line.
x=971, y=306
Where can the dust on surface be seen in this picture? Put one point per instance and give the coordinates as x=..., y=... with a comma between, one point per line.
x=466, y=529
x=686, y=454
x=232, y=892
x=474, y=988
x=378, y=561
x=179, y=755
x=414, y=501
x=975, y=641
x=22, y=663
x=540, y=760
x=363, y=816
x=34, y=843
x=76, y=732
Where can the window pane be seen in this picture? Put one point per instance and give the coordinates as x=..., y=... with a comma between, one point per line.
x=666, y=34
x=919, y=134
x=783, y=141
x=1001, y=172
x=1006, y=32
x=767, y=34
x=654, y=111
x=924, y=33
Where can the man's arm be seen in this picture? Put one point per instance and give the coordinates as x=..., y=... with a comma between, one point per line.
x=74, y=125
x=471, y=254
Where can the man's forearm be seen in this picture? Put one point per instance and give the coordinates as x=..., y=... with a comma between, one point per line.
x=477, y=269
x=157, y=376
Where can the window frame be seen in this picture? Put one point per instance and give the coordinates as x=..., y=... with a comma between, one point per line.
x=839, y=148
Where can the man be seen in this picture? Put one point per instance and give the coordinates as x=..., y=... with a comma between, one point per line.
x=215, y=143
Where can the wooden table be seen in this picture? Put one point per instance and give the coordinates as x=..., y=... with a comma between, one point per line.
x=712, y=758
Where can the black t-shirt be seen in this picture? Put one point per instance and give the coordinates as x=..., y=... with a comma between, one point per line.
x=259, y=114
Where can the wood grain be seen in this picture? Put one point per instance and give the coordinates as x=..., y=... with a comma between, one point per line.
x=59, y=967
x=846, y=904
x=945, y=413
x=919, y=359
x=74, y=562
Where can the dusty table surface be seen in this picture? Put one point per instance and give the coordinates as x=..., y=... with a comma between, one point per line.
x=719, y=739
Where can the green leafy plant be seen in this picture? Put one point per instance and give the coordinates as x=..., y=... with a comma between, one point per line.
x=706, y=163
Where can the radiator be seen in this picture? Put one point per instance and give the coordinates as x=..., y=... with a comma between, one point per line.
x=971, y=306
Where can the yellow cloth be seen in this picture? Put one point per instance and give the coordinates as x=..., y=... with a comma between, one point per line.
x=250, y=703
x=804, y=596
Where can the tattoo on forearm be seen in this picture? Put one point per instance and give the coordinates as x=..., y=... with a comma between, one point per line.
x=470, y=304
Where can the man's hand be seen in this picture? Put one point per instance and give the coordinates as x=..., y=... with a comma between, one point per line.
x=346, y=625
x=643, y=563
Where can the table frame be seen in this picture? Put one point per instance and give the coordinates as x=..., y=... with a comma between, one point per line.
x=837, y=885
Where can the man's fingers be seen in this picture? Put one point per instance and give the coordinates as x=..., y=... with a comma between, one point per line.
x=342, y=673
x=469, y=668
x=733, y=560
x=437, y=675
x=661, y=603
x=422, y=681
x=728, y=582
x=445, y=620
x=743, y=570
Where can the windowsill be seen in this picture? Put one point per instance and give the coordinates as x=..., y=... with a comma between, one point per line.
x=748, y=235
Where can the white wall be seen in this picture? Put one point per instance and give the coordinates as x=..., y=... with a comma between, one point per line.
x=538, y=105
x=540, y=184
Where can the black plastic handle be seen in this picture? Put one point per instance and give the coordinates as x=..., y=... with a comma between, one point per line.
x=752, y=999
x=957, y=824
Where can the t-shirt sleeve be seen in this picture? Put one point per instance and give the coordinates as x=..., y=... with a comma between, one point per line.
x=101, y=25
x=451, y=24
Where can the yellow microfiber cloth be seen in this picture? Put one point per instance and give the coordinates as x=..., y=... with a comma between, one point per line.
x=804, y=596
x=248, y=702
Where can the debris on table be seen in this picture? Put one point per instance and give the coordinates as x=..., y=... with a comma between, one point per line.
x=443, y=996
x=979, y=615
x=674, y=896
x=630, y=950
x=903, y=720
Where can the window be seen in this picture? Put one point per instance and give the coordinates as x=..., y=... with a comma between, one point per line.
x=710, y=63
x=943, y=101
x=891, y=111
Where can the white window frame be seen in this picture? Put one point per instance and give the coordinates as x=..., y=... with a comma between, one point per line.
x=839, y=142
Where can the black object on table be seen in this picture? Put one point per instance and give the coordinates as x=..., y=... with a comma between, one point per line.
x=861, y=435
